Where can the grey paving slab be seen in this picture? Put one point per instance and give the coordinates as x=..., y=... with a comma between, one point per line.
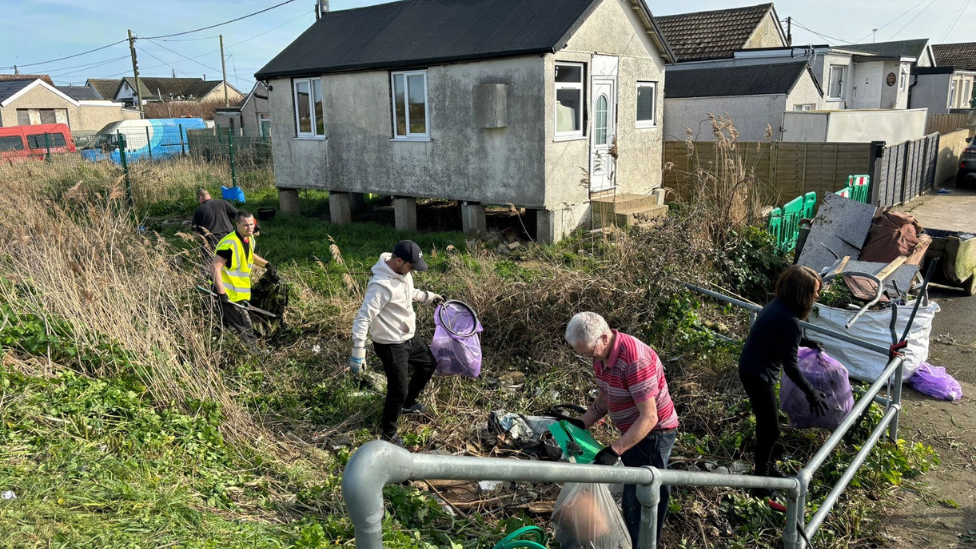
x=839, y=229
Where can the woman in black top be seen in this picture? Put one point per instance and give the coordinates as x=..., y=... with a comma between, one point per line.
x=771, y=348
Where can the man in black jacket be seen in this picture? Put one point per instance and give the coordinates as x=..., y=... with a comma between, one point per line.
x=212, y=220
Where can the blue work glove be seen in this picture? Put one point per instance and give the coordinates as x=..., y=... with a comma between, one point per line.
x=357, y=359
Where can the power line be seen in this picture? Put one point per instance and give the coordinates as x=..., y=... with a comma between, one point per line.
x=269, y=30
x=181, y=55
x=88, y=67
x=954, y=21
x=220, y=24
x=914, y=18
x=892, y=21
x=19, y=65
x=819, y=34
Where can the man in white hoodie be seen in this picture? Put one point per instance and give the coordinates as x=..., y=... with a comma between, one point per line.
x=387, y=314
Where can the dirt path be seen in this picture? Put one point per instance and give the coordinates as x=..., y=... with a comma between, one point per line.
x=940, y=509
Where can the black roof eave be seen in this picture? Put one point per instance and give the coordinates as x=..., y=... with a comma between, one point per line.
x=400, y=64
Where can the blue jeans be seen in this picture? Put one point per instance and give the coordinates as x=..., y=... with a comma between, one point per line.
x=654, y=450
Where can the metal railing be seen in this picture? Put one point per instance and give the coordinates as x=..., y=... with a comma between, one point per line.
x=378, y=463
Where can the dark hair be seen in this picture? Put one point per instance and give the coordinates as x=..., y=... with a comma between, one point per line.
x=242, y=215
x=797, y=289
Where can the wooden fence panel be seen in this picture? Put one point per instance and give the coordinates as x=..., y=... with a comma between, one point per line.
x=946, y=123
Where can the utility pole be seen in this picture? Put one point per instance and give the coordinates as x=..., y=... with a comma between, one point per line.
x=874, y=35
x=15, y=70
x=223, y=69
x=135, y=73
x=789, y=31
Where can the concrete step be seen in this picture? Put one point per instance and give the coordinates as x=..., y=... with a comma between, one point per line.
x=623, y=219
x=623, y=203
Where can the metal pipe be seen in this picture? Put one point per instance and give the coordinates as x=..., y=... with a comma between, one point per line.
x=877, y=297
x=650, y=497
x=846, y=338
x=753, y=309
x=828, y=503
x=835, y=438
x=896, y=401
x=793, y=509
x=378, y=463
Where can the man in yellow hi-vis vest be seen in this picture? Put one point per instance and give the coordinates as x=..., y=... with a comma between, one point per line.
x=233, y=259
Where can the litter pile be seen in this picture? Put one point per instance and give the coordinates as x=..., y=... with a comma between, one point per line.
x=870, y=260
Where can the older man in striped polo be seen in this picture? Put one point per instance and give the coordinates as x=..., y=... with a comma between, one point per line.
x=632, y=389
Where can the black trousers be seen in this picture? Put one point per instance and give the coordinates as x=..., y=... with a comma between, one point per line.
x=237, y=320
x=401, y=389
x=762, y=396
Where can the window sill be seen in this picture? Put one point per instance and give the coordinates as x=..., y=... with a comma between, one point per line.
x=310, y=138
x=574, y=137
x=646, y=126
x=411, y=139
x=834, y=99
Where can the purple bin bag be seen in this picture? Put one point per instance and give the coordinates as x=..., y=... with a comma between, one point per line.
x=827, y=376
x=935, y=382
x=456, y=354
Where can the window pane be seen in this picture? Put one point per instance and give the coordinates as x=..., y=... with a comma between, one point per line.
x=600, y=127
x=398, y=102
x=568, y=105
x=23, y=117
x=43, y=140
x=302, y=104
x=47, y=116
x=836, y=81
x=418, y=103
x=11, y=143
x=319, y=111
x=645, y=104
x=569, y=73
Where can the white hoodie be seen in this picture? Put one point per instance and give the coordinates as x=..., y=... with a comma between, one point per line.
x=387, y=310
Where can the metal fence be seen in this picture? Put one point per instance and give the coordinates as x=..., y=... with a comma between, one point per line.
x=379, y=463
x=904, y=171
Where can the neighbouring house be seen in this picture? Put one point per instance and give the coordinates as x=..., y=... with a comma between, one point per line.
x=541, y=104
x=889, y=67
x=35, y=101
x=104, y=87
x=251, y=117
x=165, y=90
x=754, y=96
x=952, y=84
x=718, y=34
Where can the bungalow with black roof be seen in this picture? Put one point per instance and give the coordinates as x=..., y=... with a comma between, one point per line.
x=480, y=101
x=754, y=96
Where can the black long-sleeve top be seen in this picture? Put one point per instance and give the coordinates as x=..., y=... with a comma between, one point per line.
x=772, y=346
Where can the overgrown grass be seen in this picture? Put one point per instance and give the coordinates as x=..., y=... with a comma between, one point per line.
x=123, y=423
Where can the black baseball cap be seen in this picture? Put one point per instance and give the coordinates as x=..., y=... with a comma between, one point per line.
x=409, y=251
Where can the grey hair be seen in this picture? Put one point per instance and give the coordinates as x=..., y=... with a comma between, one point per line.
x=586, y=327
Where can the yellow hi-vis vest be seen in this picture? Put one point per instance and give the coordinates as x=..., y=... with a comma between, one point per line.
x=236, y=275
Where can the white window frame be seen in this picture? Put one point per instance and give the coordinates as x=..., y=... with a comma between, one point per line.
x=652, y=123
x=299, y=134
x=803, y=107
x=843, y=82
x=581, y=87
x=406, y=106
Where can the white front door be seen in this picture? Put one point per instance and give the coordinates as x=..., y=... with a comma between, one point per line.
x=868, y=79
x=604, y=130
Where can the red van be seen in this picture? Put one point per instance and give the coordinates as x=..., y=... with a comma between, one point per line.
x=23, y=142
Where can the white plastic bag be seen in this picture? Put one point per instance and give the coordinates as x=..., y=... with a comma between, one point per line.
x=873, y=327
x=585, y=516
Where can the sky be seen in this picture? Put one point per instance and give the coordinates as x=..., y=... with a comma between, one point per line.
x=33, y=32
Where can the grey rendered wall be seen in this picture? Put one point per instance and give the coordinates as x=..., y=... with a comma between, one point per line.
x=612, y=29
x=822, y=69
x=804, y=92
x=890, y=96
x=930, y=91
x=299, y=163
x=766, y=35
x=250, y=111
x=750, y=114
x=460, y=162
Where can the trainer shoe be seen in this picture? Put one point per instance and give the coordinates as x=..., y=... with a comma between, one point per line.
x=415, y=408
x=395, y=439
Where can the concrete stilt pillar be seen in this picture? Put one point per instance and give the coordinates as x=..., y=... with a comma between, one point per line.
x=340, y=208
x=659, y=194
x=530, y=220
x=357, y=202
x=545, y=227
x=473, y=221
x=405, y=213
x=288, y=201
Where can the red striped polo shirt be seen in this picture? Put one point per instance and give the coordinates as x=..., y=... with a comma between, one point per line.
x=634, y=374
